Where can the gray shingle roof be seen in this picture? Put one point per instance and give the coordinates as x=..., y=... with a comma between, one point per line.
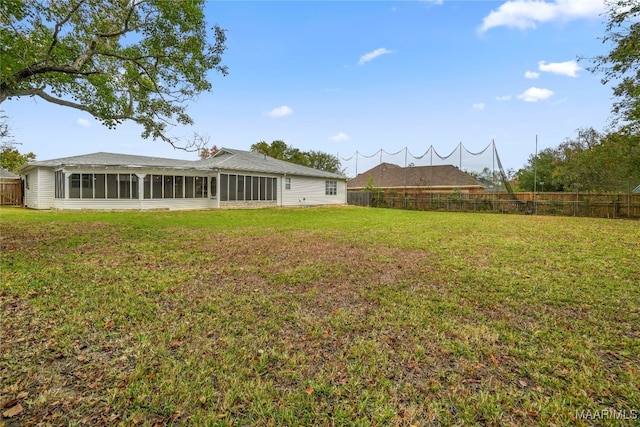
x=113, y=159
x=249, y=161
x=5, y=174
x=226, y=158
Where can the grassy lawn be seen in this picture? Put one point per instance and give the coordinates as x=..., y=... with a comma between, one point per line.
x=327, y=316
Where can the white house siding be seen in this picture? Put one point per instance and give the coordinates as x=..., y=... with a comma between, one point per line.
x=39, y=195
x=134, y=204
x=308, y=191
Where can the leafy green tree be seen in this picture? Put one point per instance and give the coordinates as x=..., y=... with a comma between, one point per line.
x=622, y=63
x=539, y=173
x=11, y=159
x=590, y=162
x=118, y=60
x=575, y=167
x=324, y=161
x=313, y=159
x=618, y=157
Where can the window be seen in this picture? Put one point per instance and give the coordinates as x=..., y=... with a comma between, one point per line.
x=188, y=187
x=112, y=186
x=99, y=184
x=247, y=190
x=270, y=195
x=59, y=192
x=171, y=187
x=240, y=187
x=156, y=187
x=214, y=187
x=168, y=187
x=74, y=186
x=179, y=187
x=331, y=188
x=287, y=183
x=256, y=188
x=135, y=188
x=147, y=186
x=201, y=187
x=232, y=187
x=87, y=185
x=224, y=187
x=246, y=187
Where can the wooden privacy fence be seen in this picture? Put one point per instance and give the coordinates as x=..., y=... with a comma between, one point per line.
x=10, y=192
x=567, y=204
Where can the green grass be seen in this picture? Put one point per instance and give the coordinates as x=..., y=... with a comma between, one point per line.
x=327, y=316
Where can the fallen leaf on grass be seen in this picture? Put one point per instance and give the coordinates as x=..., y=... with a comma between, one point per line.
x=494, y=359
x=13, y=411
x=309, y=390
x=10, y=403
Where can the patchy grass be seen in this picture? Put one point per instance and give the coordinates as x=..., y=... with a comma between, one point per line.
x=329, y=316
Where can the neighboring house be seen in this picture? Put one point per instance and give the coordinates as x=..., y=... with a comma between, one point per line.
x=10, y=188
x=230, y=179
x=415, y=179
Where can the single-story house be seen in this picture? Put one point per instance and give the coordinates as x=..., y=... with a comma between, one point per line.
x=416, y=179
x=229, y=179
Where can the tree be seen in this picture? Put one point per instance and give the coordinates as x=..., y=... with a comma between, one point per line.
x=622, y=63
x=539, y=173
x=11, y=159
x=6, y=138
x=207, y=153
x=591, y=162
x=119, y=60
x=324, y=161
x=313, y=159
x=575, y=162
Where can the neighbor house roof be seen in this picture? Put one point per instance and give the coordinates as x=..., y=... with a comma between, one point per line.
x=387, y=175
x=5, y=174
x=225, y=159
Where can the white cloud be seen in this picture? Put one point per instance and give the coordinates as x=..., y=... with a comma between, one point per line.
x=503, y=98
x=280, y=112
x=524, y=14
x=535, y=94
x=340, y=137
x=83, y=123
x=567, y=68
x=372, y=55
x=479, y=106
x=531, y=75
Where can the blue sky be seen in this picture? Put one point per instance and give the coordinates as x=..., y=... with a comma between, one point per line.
x=342, y=77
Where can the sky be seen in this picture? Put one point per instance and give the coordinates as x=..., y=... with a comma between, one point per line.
x=360, y=76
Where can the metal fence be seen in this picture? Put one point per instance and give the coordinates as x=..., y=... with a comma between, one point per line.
x=564, y=204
